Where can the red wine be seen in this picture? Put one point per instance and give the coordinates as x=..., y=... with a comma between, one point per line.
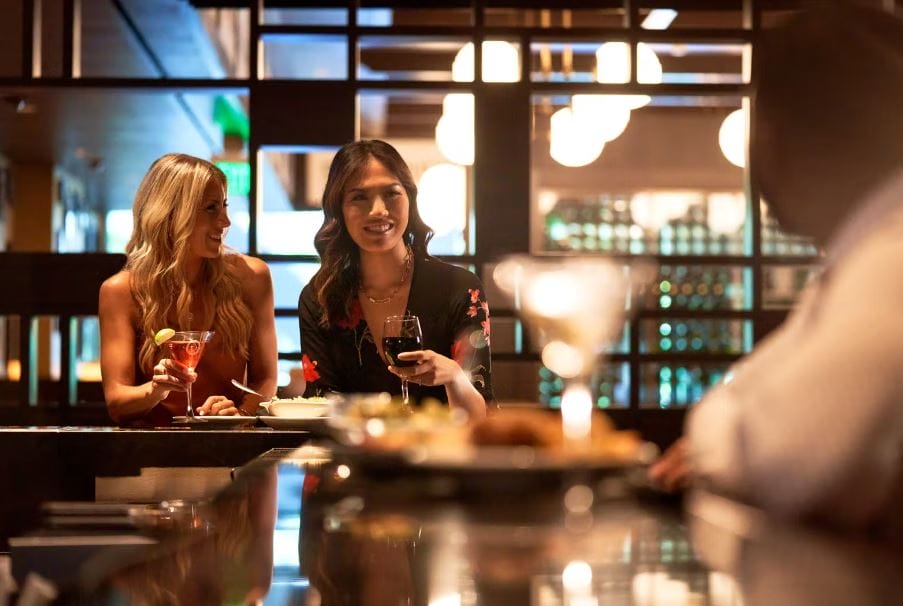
x=396, y=345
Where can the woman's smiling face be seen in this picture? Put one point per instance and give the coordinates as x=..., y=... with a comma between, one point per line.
x=375, y=208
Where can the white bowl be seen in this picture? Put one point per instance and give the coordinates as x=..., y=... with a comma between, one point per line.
x=298, y=408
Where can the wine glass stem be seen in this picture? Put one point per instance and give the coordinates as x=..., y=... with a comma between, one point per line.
x=190, y=411
x=404, y=391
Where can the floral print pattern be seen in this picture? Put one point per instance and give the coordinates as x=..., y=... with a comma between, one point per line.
x=309, y=369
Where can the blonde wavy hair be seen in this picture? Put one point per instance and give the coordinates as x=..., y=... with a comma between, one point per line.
x=165, y=213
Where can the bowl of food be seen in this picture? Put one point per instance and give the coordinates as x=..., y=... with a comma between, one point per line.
x=297, y=408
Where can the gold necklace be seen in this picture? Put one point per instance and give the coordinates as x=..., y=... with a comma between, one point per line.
x=405, y=271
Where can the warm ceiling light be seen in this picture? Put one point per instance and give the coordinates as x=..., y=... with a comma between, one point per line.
x=455, y=139
x=501, y=62
x=570, y=143
x=442, y=198
x=732, y=137
x=604, y=115
x=613, y=67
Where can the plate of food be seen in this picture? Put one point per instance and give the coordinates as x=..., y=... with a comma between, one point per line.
x=381, y=434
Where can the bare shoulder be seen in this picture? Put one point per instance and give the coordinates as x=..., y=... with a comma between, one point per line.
x=253, y=273
x=117, y=288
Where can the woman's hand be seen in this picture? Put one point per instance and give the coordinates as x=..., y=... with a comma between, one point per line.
x=430, y=369
x=170, y=375
x=218, y=406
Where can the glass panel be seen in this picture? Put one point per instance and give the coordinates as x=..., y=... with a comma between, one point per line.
x=782, y=284
x=507, y=335
x=434, y=144
x=289, y=378
x=288, y=335
x=699, y=287
x=288, y=280
x=228, y=32
x=185, y=42
x=86, y=341
x=725, y=14
x=421, y=16
x=553, y=16
x=648, y=180
x=682, y=335
x=677, y=385
x=305, y=16
x=566, y=61
x=620, y=346
x=407, y=58
x=776, y=241
x=435, y=59
x=610, y=386
x=290, y=214
x=700, y=63
x=305, y=57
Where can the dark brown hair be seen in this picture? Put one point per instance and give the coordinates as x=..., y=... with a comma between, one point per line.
x=336, y=282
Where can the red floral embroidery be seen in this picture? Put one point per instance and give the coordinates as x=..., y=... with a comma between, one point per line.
x=456, y=350
x=474, y=294
x=485, y=325
x=355, y=315
x=485, y=306
x=309, y=369
x=472, y=312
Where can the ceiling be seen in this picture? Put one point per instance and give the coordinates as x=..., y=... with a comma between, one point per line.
x=110, y=137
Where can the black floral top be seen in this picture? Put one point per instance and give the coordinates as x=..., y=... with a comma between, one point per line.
x=454, y=318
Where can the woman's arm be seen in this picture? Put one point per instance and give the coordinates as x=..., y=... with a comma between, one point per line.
x=262, y=353
x=320, y=372
x=125, y=400
x=467, y=374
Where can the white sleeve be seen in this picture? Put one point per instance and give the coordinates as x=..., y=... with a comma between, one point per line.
x=813, y=423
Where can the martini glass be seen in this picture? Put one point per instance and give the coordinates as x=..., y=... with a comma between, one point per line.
x=401, y=334
x=187, y=347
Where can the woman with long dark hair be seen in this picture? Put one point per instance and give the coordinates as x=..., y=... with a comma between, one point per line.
x=375, y=264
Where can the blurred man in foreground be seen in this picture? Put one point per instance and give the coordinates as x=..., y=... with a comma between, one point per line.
x=812, y=423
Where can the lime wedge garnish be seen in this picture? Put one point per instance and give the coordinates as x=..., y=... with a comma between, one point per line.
x=163, y=335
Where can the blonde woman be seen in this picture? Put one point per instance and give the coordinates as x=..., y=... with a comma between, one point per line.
x=178, y=275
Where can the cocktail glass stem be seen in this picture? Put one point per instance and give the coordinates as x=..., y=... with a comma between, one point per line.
x=190, y=412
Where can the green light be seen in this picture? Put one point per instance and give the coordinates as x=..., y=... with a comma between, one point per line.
x=664, y=329
x=665, y=286
x=238, y=176
x=664, y=301
x=665, y=344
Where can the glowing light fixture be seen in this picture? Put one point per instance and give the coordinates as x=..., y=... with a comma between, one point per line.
x=732, y=137
x=604, y=115
x=501, y=62
x=726, y=212
x=442, y=197
x=571, y=144
x=613, y=67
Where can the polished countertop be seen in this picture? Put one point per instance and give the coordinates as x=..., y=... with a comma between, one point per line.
x=308, y=527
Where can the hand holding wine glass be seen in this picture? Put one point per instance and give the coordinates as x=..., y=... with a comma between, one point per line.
x=187, y=347
x=401, y=334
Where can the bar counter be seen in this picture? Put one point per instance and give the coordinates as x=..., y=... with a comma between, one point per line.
x=308, y=527
x=63, y=463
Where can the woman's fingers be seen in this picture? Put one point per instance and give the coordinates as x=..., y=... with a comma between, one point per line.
x=169, y=377
x=218, y=406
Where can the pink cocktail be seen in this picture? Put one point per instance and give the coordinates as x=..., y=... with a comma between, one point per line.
x=187, y=347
